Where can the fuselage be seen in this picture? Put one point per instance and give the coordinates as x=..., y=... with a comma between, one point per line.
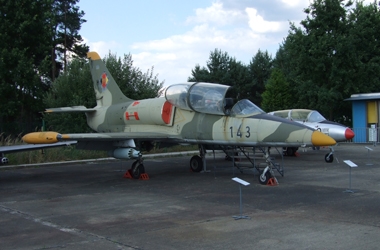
x=158, y=115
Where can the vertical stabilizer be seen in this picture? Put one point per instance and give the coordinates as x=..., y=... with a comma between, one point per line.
x=106, y=90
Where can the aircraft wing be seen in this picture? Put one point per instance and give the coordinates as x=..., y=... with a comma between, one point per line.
x=53, y=137
x=97, y=141
x=18, y=148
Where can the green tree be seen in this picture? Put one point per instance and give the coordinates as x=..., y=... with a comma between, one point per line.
x=223, y=69
x=132, y=81
x=278, y=93
x=363, y=50
x=317, y=52
x=66, y=22
x=259, y=70
x=333, y=55
x=25, y=39
x=217, y=71
x=75, y=88
x=72, y=88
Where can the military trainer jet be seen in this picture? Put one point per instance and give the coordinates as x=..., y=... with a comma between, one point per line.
x=315, y=120
x=188, y=113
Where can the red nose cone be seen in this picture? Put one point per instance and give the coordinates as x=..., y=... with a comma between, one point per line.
x=349, y=134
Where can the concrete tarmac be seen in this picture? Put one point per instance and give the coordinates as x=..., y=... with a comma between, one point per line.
x=88, y=205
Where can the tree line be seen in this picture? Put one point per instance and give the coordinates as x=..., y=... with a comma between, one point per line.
x=332, y=54
x=37, y=38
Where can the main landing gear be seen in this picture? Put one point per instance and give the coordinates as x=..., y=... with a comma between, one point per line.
x=198, y=162
x=266, y=176
x=137, y=171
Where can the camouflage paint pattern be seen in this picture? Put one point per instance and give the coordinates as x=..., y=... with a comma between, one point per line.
x=117, y=118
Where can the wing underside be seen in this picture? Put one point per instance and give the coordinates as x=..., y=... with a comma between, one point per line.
x=19, y=148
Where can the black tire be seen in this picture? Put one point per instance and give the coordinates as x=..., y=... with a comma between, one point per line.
x=328, y=158
x=264, y=180
x=137, y=169
x=196, y=164
x=4, y=160
x=291, y=151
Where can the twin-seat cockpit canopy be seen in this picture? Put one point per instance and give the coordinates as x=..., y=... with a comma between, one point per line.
x=301, y=115
x=209, y=98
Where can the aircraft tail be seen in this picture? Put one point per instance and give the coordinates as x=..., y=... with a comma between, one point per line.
x=106, y=89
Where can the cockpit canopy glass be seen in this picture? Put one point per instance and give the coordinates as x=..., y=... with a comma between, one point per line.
x=208, y=98
x=315, y=116
x=245, y=107
x=201, y=97
x=306, y=115
x=301, y=115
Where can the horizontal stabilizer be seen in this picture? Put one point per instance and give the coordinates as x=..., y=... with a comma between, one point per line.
x=70, y=109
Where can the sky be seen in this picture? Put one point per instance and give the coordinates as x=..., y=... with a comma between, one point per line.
x=173, y=36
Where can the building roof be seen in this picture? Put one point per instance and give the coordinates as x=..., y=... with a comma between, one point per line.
x=367, y=96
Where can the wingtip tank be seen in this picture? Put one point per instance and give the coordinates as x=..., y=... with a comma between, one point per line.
x=41, y=137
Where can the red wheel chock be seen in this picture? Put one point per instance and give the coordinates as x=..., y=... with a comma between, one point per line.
x=272, y=182
x=143, y=176
x=297, y=154
x=128, y=174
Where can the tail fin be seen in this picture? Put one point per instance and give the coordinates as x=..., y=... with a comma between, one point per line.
x=106, y=90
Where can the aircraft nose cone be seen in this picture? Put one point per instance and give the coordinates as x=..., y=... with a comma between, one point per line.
x=349, y=134
x=320, y=139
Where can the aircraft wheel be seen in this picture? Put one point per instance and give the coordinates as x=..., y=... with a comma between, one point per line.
x=196, y=164
x=328, y=158
x=137, y=169
x=291, y=151
x=4, y=160
x=264, y=179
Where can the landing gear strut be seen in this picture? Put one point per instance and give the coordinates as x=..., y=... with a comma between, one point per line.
x=137, y=168
x=329, y=157
x=198, y=162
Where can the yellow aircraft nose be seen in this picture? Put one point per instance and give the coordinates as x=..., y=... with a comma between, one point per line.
x=320, y=139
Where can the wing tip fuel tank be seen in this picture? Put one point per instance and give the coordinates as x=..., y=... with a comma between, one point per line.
x=41, y=137
x=320, y=139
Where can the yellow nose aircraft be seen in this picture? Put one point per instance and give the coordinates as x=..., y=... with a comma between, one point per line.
x=188, y=113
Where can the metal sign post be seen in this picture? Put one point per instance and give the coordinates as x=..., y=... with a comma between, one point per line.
x=368, y=155
x=241, y=183
x=351, y=165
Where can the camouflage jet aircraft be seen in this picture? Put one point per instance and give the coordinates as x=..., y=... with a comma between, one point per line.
x=188, y=113
x=315, y=120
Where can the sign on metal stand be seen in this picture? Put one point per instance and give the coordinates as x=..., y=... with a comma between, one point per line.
x=368, y=155
x=241, y=183
x=351, y=165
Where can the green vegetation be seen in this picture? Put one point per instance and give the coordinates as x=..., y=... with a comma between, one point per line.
x=335, y=53
x=37, y=37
